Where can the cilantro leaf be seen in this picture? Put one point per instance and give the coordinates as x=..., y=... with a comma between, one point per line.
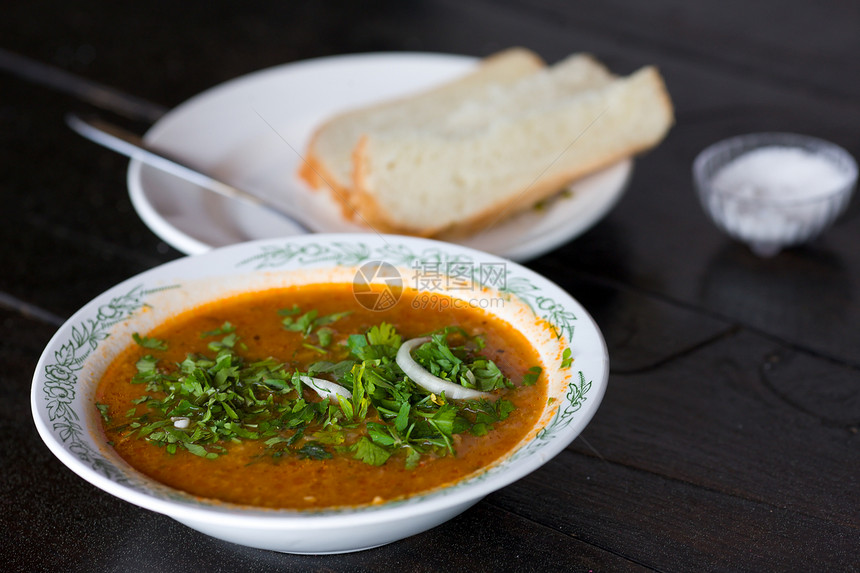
x=380, y=434
x=413, y=456
x=310, y=322
x=383, y=334
x=302, y=324
x=208, y=400
x=531, y=377
x=151, y=343
x=380, y=342
x=370, y=453
x=290, y=311
x=402, y=419
x=335, y=369
x=566, y=358
x=225, y=328
x=325, y=335
x=487, y=375
x=104, y=410
x=358, y=346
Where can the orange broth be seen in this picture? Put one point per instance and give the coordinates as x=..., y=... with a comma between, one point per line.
x=243, y=475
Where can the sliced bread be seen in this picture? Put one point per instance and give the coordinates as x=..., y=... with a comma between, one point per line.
x=328, y=157
x=448, y=179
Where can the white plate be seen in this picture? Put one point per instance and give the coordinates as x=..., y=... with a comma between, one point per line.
x=251, y=130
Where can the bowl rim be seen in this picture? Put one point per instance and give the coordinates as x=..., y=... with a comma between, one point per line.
x=758, y=140
x=465, y=491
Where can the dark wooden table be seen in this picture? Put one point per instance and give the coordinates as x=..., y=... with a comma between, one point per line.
x=728, y=438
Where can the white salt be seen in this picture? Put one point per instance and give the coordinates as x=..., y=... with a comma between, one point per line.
x=779, y=174
x=768, y=196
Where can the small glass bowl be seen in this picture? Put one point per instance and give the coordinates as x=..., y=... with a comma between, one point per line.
x=769, y=224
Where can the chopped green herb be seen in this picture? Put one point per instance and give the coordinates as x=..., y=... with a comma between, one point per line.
x=335, y=369
x=566, y=358
x=146, y=342
x=146, y=370
x=207, y=401
x=314, y=348
x=531, y=377
x=225, y=328
x=290, y=311
x=370, y=453
x=487, y=413
x=309, y=321
x=104, y=410
x=325, y=335
x=311, y=325
x=456, y=364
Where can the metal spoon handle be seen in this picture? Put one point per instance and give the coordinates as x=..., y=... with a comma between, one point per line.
x=131, y=145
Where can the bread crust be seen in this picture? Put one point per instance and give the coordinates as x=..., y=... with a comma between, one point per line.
x=375, y=214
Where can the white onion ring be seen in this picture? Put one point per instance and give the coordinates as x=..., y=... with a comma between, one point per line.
x=428, y=381
x=324, y=388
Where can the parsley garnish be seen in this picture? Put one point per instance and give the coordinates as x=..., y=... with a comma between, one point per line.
x=208, y=401
x=308, y=322
x=566, y=358
x=531, y=377
x=458, y=365
x=312, y=326
x=370, y=453
x=104, y=410
x=147, y=342
x=225, y=328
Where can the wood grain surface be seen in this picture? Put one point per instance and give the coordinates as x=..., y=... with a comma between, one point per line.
x=728, y=437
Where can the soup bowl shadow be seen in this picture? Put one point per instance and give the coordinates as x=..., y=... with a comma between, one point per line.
x=566, y=339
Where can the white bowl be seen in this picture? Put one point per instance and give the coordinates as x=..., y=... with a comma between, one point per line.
x=759, y=211
x=67, y=374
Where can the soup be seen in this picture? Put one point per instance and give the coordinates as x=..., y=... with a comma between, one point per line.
x=299, y=398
